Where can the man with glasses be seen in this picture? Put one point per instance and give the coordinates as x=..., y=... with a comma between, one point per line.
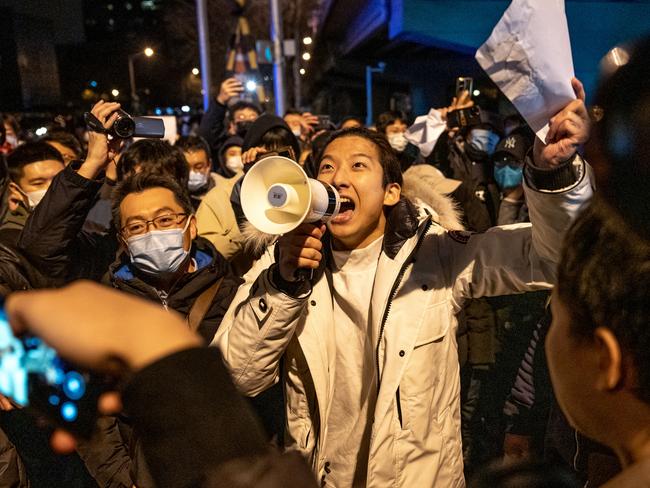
x=164, y=259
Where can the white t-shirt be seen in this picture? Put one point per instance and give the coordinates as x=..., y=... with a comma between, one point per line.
x=355, y=384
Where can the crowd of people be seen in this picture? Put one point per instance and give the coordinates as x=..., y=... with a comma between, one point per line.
x=475, y=311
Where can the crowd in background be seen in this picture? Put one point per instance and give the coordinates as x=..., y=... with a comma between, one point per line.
x=165, y=222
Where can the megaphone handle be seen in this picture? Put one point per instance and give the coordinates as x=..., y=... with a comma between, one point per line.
x=303, y=274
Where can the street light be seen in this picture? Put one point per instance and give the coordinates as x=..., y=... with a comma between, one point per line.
x=148, y=52
x=306, y=41
x=306, y=56
x=302, y=71
x=195, y=71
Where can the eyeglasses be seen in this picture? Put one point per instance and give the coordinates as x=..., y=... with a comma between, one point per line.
x=166, y=221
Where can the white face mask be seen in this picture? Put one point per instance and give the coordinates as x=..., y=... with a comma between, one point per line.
x=197, y=180
x=397, y=141
x=234, y=163
x=158, y=251
x=297, y=133
x=34, y=197
x=12, y=141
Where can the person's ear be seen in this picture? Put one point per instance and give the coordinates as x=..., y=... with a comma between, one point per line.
x=15, y=197
x=193, y=230
x=392, y=194
x=610, y=362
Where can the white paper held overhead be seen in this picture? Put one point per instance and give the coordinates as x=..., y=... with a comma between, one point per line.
x=528, y=56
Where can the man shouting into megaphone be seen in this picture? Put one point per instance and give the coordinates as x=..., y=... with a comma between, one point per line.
x=368, y=345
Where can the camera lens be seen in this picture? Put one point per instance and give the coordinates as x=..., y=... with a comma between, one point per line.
x=124, y=125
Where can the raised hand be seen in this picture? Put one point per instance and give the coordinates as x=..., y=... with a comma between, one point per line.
x=568, y=129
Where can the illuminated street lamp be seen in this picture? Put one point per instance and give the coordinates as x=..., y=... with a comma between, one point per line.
x=302, y=71
x=306, y=56
x=307, y=41
x=148, y=52
x=195, y=71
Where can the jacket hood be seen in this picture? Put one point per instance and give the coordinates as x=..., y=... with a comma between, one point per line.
x=221, y=158
x=261, y=126
x=419, y=201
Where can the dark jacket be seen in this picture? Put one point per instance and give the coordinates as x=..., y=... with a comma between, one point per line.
x=210, y=266
x=53, y=238
x=213, y=128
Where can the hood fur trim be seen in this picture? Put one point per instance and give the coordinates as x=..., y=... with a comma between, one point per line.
x=255, y=241
x=418, y=187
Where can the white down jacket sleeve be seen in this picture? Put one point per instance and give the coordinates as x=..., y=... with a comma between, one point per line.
x=519, y=257
x=257, y=328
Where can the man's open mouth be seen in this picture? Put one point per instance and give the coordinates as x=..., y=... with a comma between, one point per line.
x=346, y=211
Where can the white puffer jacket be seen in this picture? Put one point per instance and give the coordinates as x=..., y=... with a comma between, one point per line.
x=415, y=440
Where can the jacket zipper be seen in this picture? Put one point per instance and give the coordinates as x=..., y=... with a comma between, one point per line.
x=392, y=294
x=163, y=298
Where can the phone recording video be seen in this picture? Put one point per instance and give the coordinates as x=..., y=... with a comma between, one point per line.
x=33, y=375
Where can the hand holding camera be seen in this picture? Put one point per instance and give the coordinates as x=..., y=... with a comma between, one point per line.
x=101, y=151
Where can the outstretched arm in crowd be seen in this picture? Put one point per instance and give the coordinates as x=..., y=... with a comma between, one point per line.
x=212, y=127
x=53, y=238
x=180, y=398
x=557, y=185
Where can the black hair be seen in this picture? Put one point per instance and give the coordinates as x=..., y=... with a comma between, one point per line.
x=193, y=144
x=137, y=183
x=240, y=105
x=277, y=137
x=603, y=280
x=11, y=121
x=387, y=118
x=292, y=111
x=66, y=139
x=154, y=156
x=352, y=117
x=28, y=153
x=387, y=156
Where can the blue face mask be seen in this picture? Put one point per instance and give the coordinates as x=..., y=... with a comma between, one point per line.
x=508, y=177
x=483, y=140
x=158, y=251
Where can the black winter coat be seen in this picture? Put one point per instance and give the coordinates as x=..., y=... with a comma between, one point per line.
x=210, y=267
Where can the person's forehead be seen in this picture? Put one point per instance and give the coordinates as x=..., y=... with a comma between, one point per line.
x=44, y=167
x=196, y=156
x=233, y=150
x=347, y=147
x=148, y=203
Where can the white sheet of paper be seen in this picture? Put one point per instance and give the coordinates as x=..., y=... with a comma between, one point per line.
x=426, y=130
x=528, y=56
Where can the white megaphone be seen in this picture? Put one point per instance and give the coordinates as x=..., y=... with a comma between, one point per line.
x=277, y=196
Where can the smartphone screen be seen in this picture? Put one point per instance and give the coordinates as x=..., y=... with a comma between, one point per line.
x=33, y=375
x=464, y=83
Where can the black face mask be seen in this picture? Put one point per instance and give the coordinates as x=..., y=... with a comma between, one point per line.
x=241, y=127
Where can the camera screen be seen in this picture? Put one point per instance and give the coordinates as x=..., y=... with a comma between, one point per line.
x=31, y=373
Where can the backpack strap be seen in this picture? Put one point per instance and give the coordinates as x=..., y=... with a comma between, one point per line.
x=201, y=305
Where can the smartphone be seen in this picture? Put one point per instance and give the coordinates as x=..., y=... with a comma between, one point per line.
x=32, y=375
x=324, y=123
x=464, y=83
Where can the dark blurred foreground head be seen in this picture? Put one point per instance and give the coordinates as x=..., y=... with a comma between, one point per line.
x=620, y=149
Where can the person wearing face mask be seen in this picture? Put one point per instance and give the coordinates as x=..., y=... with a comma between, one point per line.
x=393, y=125
x=230, y=161
x=11, y=131
x=162, y=259
x=508, y=161
x=201, y=180
x=31, y=167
